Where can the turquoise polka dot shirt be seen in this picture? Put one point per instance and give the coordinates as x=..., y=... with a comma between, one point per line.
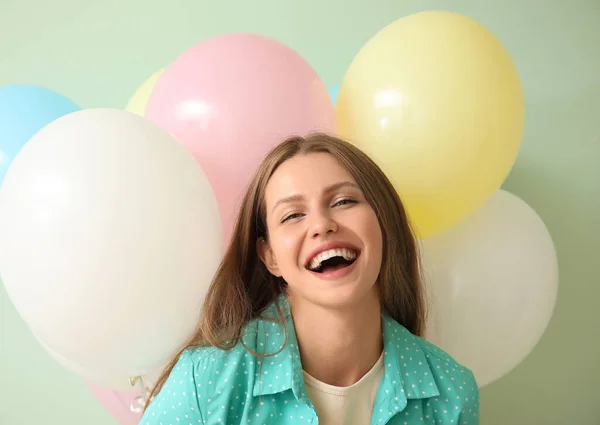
x=421, y=384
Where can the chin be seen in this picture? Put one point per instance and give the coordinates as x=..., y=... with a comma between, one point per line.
x=340, y=295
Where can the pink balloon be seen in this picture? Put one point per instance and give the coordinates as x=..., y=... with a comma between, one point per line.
x=232, y=98
x=117, y=403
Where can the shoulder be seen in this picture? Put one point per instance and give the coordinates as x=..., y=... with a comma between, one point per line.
x=433, y=373
x=457, y=384
x=442, y=361
x=207, y=362
x=177, y=399
x=202, y=373
x=201, y=377
x=439, y=361
x=443, y=364
x=212, y=364
x=217, y=371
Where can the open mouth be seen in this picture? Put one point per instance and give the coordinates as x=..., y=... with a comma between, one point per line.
x=333, y=259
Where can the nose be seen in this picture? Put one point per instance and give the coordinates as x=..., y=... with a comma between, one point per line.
x=323, y=224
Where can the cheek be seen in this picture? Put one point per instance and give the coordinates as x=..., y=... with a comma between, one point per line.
x=373, y=232
x=286, y=243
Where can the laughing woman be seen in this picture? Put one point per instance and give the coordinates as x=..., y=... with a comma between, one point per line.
x=316, y=314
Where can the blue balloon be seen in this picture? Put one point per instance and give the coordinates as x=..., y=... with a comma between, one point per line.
x=24, y=110
x=333, y=93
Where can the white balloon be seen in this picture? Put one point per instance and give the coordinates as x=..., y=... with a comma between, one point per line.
x=493, y=283
x=109, y=238
x=119, y=383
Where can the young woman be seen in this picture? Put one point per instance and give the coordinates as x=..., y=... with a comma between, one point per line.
x=316, y=314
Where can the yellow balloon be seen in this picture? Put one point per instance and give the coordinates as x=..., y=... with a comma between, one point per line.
x=137, y=103
x=435, y=99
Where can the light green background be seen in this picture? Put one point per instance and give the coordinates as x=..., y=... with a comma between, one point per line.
x=98, y=52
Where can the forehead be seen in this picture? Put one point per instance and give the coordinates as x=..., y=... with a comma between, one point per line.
x=305, y=175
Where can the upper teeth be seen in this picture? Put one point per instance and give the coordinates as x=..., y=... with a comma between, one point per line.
x=348, y=255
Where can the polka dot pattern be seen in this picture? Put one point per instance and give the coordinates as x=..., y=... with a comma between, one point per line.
x=421, y=385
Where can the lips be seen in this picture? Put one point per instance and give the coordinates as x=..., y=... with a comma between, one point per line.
x=345, y=251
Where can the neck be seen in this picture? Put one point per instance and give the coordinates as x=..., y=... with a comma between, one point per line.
x=338, y=346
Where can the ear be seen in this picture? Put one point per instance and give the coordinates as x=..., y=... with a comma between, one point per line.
x=267, y=256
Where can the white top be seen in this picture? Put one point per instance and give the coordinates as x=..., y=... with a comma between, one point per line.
x=351, y=405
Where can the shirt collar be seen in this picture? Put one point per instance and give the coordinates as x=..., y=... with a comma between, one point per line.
x=279, y=366
x=407, y=374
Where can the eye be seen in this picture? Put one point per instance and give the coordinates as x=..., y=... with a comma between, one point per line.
x=291, y=217
x=344, y=201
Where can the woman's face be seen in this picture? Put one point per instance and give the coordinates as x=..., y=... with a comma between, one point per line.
x=324, y=237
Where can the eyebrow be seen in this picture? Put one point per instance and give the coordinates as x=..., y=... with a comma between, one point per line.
x=328, y=189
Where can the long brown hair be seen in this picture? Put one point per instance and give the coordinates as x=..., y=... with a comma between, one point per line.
x=242, y=287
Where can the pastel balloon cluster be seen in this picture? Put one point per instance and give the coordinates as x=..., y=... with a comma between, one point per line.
x=435, y=99
x=229, y=100
x=113, y=222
